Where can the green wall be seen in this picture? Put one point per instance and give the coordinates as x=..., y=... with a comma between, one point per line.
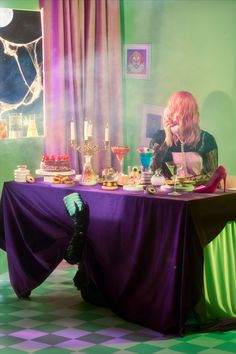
x=20, y=4
x=193, y=48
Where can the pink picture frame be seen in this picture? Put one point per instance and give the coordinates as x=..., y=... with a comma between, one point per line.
x=137, y=61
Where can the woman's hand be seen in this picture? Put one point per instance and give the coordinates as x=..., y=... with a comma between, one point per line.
x=167, y=128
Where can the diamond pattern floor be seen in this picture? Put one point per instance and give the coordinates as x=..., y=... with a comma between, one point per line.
x=56, y=320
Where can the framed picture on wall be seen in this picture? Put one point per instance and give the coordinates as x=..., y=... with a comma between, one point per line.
x=137, y=61
x=151, y=122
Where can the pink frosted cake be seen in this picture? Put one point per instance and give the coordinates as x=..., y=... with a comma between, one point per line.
x=55, y=163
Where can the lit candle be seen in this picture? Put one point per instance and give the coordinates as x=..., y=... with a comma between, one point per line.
x=72, y=130
x=107, y=133
x=85, y=129
x=90, y=129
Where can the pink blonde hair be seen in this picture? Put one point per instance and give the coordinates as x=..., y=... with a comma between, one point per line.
x=182, y=110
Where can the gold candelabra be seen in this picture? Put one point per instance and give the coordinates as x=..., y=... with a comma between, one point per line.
x=89, y=148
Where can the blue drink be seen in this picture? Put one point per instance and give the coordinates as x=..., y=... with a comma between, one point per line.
x=146, y=159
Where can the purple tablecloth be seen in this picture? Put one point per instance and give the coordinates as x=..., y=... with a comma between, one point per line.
x=144, y=252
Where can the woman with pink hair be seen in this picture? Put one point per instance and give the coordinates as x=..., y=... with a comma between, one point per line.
x=193, y=150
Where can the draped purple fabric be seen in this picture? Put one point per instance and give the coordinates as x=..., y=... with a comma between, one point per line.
x=82, y=73
x=144, y=252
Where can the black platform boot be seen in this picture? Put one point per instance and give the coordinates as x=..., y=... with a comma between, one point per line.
x=75, y=247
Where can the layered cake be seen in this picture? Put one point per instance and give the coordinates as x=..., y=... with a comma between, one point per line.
x=146, y=177
x=55, y=163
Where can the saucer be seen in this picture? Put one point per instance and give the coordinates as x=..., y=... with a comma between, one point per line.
x=111, y=188
x=133, y=188
x=62, y=185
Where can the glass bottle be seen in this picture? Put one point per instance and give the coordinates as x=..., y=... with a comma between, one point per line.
x=32, y=127
x=88, y=177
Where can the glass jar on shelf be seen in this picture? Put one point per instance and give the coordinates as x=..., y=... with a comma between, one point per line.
x=15, y=125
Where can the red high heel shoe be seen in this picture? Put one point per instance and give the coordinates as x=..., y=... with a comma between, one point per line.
x=219, y=174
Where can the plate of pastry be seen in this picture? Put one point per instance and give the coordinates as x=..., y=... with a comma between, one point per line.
x=62, y=181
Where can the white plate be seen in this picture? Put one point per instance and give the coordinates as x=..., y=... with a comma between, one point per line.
x=110, y=188
x=62, y=185
x=165, y=189
x=133, y=188
x=57, y=173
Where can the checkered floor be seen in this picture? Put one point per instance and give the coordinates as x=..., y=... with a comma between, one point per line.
x=56, y=320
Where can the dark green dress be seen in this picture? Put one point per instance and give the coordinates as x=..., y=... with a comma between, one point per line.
x=206, y=148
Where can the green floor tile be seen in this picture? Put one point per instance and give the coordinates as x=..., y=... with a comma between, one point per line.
x=144, y=348
x=206, y=341
x=46, y=317
x=8, y=340
x=6, y=310
x=227, y=347
x=91, y=326
x=99, y=349
x=6, y=318
x=52, y=350
x=88, y=316
x=188, y=348
x=223, y=335
x=214, y=351
x=11, y=351
x=7, y=329
x=47, y=327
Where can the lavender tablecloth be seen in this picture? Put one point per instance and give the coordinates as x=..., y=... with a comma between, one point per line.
x=144, y=252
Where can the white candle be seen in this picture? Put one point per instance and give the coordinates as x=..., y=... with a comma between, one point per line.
x=72, y=130
x=85, y=129
x=107, y=133
x=90, y=129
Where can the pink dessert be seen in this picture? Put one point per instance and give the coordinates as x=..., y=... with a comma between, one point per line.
x=55, y=163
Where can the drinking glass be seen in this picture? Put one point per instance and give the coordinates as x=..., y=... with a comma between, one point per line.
x=146, y=160
x=120, y=152
x=173, y=169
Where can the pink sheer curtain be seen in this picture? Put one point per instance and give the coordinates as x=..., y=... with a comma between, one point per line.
x=82, y=74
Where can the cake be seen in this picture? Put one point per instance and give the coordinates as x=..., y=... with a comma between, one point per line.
x=146, y=177
x=55, y=163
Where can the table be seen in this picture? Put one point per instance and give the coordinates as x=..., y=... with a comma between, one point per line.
x=144, y=252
